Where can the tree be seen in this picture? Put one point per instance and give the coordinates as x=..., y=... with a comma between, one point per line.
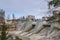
x=55, y=3
x=13, y=15
x=13, y=20
x=3, y=32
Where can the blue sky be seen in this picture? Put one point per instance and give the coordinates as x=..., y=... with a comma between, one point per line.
x=21, y=8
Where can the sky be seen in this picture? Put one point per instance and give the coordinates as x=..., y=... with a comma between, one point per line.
x=20, y=8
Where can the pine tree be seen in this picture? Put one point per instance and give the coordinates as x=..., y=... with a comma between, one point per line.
x=55, y=3
x=3, y=32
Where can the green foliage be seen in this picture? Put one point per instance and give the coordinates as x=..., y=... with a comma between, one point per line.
x=56, y=28
x=51, y=18
x=3, y=32
x=54, y=3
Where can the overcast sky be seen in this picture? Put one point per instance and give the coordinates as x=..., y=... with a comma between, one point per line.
x=20, y=8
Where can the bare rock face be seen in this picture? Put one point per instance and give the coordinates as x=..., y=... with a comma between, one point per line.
x=31, y=30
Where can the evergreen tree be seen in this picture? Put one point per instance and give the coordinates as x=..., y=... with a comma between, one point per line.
x=3, y=32
x=55, y=3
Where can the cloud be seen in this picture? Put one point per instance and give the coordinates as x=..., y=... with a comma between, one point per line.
x=24, y=7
